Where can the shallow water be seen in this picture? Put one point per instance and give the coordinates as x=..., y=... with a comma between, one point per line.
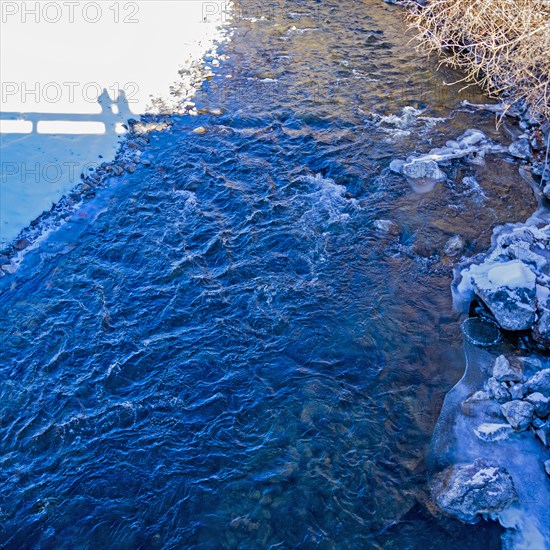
x=223, y=351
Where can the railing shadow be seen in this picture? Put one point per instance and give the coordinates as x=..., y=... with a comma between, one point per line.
x=113, y=113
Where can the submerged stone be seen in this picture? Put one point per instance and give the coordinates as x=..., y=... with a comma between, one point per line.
x=481, y=332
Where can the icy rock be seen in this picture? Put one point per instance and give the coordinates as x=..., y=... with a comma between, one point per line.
x=541, y=404
x=471, y=490
x=493, y=431
x=520, y=149
x=518, y=413
x=547, y=467
x=454, y=246
x=508, y=290
x=543, y=433
x=498, y=390
x=540, y=382
x=423, y=169
x=546, y=191
x=504, y=371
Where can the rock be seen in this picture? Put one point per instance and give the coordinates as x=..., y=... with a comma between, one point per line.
x=543, y=433
x=518, y=413
x=537, y=422
x=130, y=168
x=517, y=391
x=388, y=226
x=200, y=130
x=541, y=404
x=498, y=390
x=493, y=431
x=540, y=383
x=520, y=149
x=117, y=170
x=504, y=371
x=146, y=162
x=508, y=290
x=423, y=169
x=546, y=191
x=454, y=246
x=541, y=330
x=21, y=244
x=471, y=490
x=547, y=467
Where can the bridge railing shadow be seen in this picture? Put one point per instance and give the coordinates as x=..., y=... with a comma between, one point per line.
x=112, y=114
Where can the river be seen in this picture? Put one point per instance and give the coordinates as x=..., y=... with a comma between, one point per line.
x=224, y=350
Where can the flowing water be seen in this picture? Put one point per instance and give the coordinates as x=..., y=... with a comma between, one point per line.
x=223, y=350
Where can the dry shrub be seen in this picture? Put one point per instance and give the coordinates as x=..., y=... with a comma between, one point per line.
x=503, y=45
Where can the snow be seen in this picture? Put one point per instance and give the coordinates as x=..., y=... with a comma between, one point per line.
x=514, y=274
x=66, y=69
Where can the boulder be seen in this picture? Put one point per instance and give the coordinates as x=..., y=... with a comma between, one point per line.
x=541, y=404
x=504, y=371
x=518, y=413
x=508, y=290
x=470, y=490
x=539, y=383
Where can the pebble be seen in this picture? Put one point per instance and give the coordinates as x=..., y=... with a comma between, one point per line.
x=200, y=130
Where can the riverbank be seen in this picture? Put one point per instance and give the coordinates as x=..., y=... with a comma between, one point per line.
x=491, y=446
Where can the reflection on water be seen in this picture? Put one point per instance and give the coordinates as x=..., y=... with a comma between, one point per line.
x=232, y=354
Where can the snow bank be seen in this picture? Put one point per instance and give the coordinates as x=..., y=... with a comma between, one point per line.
x=72, y=74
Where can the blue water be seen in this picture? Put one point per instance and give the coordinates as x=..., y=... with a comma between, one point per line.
x=222, y=351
